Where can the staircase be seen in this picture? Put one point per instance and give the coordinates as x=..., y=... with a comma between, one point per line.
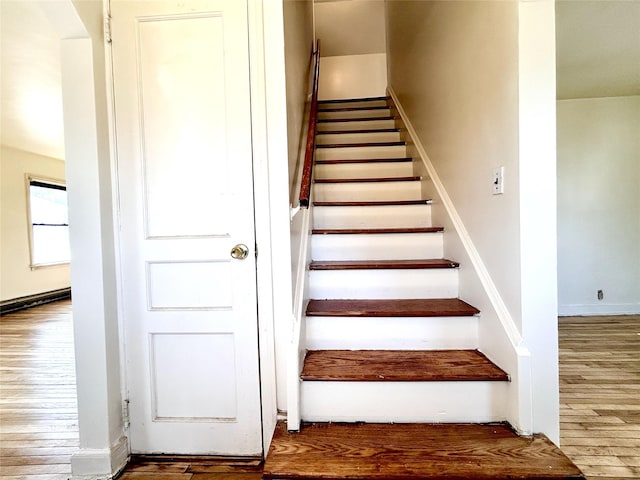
x=392, y=350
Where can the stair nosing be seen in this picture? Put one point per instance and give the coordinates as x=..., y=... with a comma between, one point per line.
x=363, y=160
x=363, y=131
x=356, y=119
x=413, y=178
x=497, y=374
x=366, y=308
x=382, y=203
x=399, y=143
x=373, y=231
x=353, y=100
x=354, y=109
x=418, y=264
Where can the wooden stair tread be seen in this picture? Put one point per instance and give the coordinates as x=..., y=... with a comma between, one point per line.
x=412, y=178
x=354, y=109
x=373, y=231
x=399, y=366
x=420, y=307
x=368, y=130
x=398, y=143
x=372, y=203
x=363, y=160
x=352, y=100
x=358, y=119
x=370, y=451
x=382, y=264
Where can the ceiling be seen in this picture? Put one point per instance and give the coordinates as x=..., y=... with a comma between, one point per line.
x=598, y=54
x=31, y=93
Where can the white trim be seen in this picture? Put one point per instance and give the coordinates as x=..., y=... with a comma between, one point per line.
x=263, y=218
x=87, y=461
x=489, y=286
x=595, y=309
x=297, y=346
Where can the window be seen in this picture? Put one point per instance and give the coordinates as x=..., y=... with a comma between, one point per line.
x=49, y=222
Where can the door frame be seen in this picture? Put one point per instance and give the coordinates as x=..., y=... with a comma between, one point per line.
x=91, y=154
x=268, y=108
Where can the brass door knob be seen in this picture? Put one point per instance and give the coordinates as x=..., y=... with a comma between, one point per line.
x=240, y=252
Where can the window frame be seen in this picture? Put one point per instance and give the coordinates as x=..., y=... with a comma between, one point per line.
x=47, y=182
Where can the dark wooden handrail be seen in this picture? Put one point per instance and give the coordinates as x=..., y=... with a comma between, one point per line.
x=309, y=153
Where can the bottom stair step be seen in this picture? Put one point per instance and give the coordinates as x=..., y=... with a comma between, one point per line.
x=331, y=451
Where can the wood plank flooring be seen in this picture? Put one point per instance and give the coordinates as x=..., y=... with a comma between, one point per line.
x=599, y=391
x=370, y=451
x=38, y=412
x=600, y=395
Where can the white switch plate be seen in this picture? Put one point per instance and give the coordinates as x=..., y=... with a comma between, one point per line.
x=497, y=186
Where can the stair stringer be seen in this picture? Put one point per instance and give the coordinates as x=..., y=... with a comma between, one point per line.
x=504, y=345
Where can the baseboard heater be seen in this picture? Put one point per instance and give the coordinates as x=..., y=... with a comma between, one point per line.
x=28, y=301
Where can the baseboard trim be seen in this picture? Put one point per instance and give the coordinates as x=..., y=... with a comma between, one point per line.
x=483, y=274
x=100, y=463
x=593, y=310
x=28, y=301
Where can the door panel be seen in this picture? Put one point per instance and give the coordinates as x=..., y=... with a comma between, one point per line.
x=183, y=131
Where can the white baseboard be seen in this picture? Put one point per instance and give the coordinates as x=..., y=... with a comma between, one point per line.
x=599, y=309
x=100, y=463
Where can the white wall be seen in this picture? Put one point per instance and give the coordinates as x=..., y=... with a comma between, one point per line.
x=353, y=46
x=350, y=27
x=298, y=46
x=17, y=279
x=461, y=93
x=477, y=82
x=599, y=205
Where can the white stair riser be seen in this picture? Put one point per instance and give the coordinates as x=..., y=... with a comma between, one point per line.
x=388, y=216
x=356, y=125
x=349, y=153
x=366, y=191
x=384, y=284
x=363, y=103
x=404, y=402
x=329, y=138
x=393, y=333
x=378, y=112
x=364, y=170
x=383, y=246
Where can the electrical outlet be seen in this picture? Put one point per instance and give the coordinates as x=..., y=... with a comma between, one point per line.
x=498, y=181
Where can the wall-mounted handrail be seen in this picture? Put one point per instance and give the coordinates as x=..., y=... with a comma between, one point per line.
x=307, y=169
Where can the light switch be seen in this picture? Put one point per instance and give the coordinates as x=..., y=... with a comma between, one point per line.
x=498, y=181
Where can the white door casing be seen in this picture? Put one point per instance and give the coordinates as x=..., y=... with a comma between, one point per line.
x=183, y=133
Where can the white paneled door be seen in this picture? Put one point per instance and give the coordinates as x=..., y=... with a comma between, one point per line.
x=183, y=130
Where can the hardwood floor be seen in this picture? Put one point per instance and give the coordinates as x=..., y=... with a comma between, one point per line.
x=600, y=395
x=599, y=392
x=38, y=412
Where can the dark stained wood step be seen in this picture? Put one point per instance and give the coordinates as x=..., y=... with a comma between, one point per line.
x=420, y=307
x=400, y=366
x=382, y=264
x=352, y=100
x=368, y=180
x=381, y=203
x=370, y=451
x=353, y=109
x=370, y=130
x=363, y=160
x=371, y=231
x=358, y=119
x=399, y=143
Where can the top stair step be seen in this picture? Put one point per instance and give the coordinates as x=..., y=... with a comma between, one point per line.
x=374, y=451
